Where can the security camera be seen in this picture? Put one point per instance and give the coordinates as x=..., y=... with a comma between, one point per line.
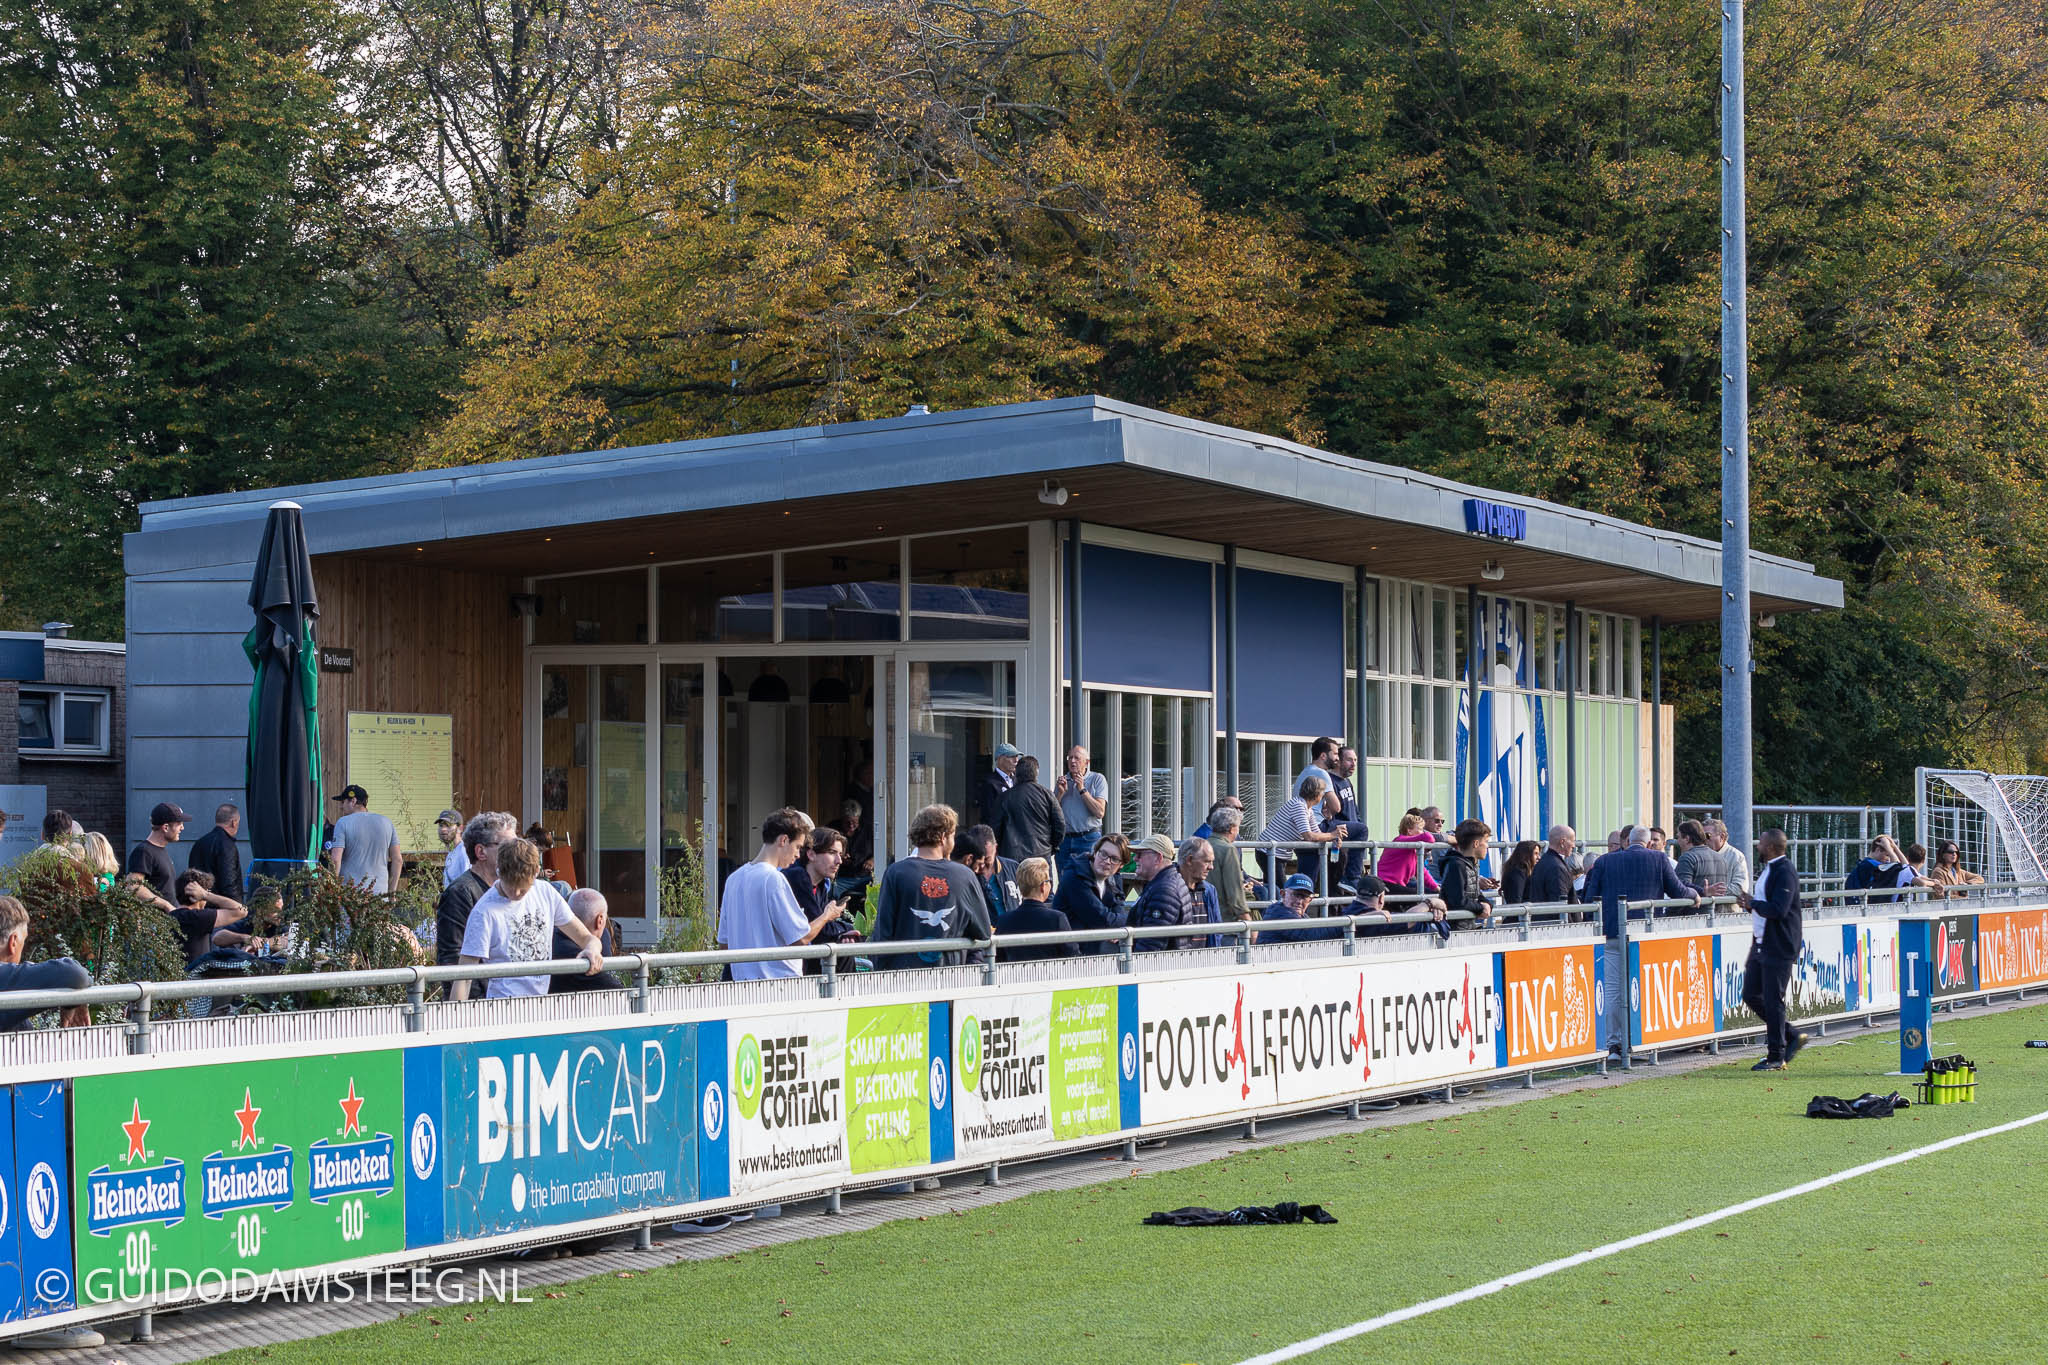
x=1767, y=621
x=1053, y=494
x=1492, y=571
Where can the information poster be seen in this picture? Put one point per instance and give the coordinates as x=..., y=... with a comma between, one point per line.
x=195, y=1176
x=407, y=764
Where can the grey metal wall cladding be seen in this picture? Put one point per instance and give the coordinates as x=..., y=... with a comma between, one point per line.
x=188, y=658
x=161, y=608
x=194, y=710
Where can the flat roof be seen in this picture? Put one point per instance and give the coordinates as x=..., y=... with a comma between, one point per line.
x=1123, y=465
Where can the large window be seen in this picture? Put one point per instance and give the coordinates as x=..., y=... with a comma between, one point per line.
x=1414, y=652
x=71, y=721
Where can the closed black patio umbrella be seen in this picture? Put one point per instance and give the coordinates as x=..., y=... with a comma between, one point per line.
x=283, y=773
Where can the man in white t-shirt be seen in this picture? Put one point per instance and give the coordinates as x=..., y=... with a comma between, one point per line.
x=516, y=920
x=758, y=909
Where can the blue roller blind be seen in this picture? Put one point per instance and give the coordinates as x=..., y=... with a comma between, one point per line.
x=1145, y=620
x=1290, y=654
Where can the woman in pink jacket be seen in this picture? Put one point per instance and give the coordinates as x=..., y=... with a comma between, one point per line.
x=1397, y=865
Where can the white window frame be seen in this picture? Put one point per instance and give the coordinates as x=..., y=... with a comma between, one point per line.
x=59, y=695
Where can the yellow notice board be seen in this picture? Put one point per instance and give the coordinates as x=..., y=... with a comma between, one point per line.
x=407, y=764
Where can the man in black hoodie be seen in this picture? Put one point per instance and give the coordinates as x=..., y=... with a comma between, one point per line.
x=1028, y=824
x=1776, y=934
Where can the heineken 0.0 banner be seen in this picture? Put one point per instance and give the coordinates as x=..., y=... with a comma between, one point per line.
x=187, y=1177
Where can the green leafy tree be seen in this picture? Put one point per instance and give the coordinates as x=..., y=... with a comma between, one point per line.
x=189, y=301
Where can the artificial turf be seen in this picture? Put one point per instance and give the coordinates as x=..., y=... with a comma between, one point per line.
x=1944, y=1258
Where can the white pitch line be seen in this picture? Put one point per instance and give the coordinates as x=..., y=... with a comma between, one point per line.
x=1480, y=1291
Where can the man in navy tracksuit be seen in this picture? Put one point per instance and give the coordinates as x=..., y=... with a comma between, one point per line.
x=1775, y=937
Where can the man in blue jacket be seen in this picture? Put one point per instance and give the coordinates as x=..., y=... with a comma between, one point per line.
x=1178, y=891
x=1635, y=873
x=1776, y=933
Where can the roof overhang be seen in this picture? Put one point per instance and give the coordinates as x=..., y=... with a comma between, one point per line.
x=1122, y=466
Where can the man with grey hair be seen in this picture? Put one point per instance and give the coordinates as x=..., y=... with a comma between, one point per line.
x=1551, y=882
x=1227, y=873
x=481, y=839
x=589, y=907
x=1635, y=873
x=1737, y=860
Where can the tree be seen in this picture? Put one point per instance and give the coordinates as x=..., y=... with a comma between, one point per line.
x=1521, y=205
x=828, y=211
x=182, y=308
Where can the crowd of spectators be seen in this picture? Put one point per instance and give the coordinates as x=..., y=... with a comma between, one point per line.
x=1037, y=862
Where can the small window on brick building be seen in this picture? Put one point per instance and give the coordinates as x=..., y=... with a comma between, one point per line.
x=65, y=721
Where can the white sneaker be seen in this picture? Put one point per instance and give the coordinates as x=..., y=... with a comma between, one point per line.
x=77, y=1337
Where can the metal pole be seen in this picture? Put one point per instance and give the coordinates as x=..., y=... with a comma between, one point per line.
x=1230, y=755
x=1571, y=714
x=1657, y=720
x=1077, y=703
x=1472, y=657
x=1359, y=712
x=1736, y=775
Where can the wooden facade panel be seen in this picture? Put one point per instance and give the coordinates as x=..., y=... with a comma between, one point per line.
x=429, y=640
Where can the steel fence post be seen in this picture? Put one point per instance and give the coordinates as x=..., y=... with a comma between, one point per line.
x=643, y=986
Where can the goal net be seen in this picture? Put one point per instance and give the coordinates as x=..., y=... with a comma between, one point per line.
x=1999, y=822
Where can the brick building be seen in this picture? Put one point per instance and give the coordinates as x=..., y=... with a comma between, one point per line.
x=63, y=720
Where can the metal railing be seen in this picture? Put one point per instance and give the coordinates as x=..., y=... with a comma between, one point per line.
x=1232, y=935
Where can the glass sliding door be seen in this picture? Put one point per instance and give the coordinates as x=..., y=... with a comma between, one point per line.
x=958, y=711
x=594, y=742
x=680, y=756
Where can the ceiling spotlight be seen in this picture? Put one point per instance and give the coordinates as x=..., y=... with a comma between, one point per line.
x=1053, y=494
x=1492, y=572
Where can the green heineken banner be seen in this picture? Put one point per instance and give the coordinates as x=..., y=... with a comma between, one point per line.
x=208, y=1175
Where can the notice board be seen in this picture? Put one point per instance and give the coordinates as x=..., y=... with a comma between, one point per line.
x=407, y=764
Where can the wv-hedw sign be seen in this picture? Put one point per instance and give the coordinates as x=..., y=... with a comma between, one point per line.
x=1496, y=519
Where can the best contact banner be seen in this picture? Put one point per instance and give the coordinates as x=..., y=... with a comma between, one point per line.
x=551, y=1129
x=1032, y=1068
x=187, y=1177
x=781, y=1087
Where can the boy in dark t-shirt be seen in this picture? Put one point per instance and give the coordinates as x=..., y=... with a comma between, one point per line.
x=929, y=896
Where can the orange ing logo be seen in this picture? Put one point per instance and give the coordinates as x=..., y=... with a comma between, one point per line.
x=1676, y=985
x=1550, y=1003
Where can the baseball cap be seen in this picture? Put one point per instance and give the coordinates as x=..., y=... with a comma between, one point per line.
x=164, y=813
x=1369, y=887
x=1008, y=751
x=449, y=817
x=362, y=797
x=1297, y=882
x=1158, y=843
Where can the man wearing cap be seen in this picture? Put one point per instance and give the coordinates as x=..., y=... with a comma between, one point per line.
x=1002, y=776
x=1170, y=896
x=448, y=824
x=364, y=849
x=1295, y=894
